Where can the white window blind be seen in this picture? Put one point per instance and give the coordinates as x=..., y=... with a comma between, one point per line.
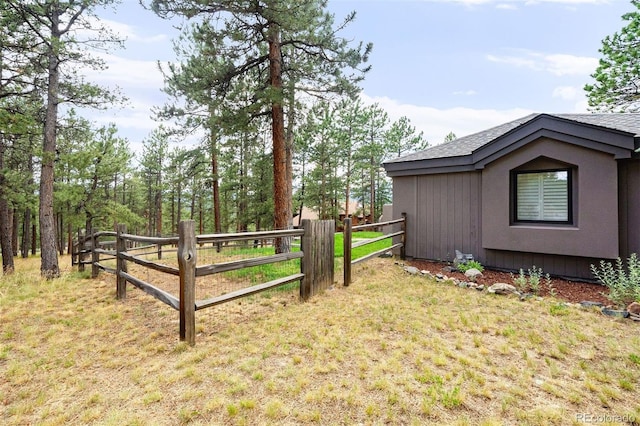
x=543, y=196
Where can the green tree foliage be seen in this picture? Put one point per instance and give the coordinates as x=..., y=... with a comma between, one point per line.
x=283, y=45
x=88, y=192
x=402, y=138
x=450, y=137
x=151, y=171
x=617, y=78
x=55, y=37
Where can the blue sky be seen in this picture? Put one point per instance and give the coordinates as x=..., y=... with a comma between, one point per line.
x=448, y=65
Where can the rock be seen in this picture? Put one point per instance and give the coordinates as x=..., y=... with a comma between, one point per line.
x=462, y=258
x=463, y=284
x=387, y=254
x=589, y=304
x=412, y=270
x=480, y=287
x=425, y=272
x=501, y=288
x=634, y=308
x=473, y=274
x=440, y=276
x=448, y=269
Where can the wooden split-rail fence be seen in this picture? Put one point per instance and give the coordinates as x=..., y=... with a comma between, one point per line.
x=316, y=261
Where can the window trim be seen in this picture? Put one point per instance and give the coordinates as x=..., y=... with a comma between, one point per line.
x=514, y=197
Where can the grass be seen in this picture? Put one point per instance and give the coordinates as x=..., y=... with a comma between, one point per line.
x=391, y=348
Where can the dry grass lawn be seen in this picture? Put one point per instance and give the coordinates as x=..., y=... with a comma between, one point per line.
x=389, y=349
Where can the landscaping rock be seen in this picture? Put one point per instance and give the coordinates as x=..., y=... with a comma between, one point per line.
x=501, y=288
x=634, y=308
x=412, y=270
x=480, y=287
x=589, y=304
x=473, y=274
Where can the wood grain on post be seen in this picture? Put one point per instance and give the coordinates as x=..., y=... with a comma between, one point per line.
x=81, y=248
x=403, y=238
x=121, y=263
x=187, y=264
x=306, y=264
x=95, y=256
x=346, y=244
x=317, y=264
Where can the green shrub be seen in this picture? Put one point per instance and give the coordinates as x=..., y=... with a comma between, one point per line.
x=470, y=264
x=532, y=280
x=623, y=284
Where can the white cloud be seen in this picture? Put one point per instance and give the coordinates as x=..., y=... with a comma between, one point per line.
x=130, y=72
x=573, y=95
x=557, y=64
x=127, y=32
x=437, y=123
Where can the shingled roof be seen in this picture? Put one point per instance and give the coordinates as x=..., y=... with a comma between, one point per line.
x=621, y=130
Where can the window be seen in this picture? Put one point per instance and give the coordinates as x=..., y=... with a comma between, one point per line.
x=543, y=196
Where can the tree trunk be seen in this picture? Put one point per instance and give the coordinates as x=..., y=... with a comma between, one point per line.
x=5, y=224
x=281, y=204
x=13, y=217
x=26, y=233
x=291, y=122
x=213, y=144
x=49, y=256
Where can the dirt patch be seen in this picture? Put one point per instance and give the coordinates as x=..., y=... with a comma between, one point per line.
x=571, y=291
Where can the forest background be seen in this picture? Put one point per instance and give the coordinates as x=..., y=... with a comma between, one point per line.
x=267, y=89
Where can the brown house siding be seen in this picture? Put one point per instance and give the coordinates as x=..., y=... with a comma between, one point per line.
x=565, y=266
x=443, y=209
x=629, y=208
x=459, y=195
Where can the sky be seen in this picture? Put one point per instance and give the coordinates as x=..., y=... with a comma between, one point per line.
x=458, y=66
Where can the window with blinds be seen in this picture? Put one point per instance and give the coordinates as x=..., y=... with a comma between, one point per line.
x=543, y=196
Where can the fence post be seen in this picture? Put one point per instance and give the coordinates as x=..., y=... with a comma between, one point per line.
x=95, y=256
x=81, y=248
x=317, y=265
x=187, y=265
x=159, y=247
x=121, y=264
x=403, y=237
x=346, y=244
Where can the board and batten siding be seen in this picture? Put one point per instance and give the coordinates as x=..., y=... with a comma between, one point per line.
x=443, y=213
x=629, y=206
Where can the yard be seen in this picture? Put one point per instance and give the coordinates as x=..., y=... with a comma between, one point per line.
x=391, y=348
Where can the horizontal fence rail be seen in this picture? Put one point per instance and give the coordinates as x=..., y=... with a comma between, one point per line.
x=316, y=241
x=349, y=245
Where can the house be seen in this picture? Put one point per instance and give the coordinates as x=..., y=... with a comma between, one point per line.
x=312, y=214
x=558, y=191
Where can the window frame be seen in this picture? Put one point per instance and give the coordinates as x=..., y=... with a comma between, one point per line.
x=514, y=197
